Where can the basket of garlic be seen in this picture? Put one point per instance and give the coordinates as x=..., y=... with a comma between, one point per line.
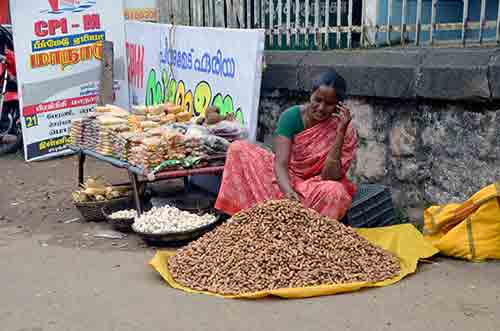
x=169, y=225
x=95, y=194
x=120, y=216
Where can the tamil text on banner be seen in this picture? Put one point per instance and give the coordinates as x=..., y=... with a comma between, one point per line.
x=58, y=47
x=141, y=10
x=196, y=67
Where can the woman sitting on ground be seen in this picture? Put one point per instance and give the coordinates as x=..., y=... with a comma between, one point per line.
x=314, y=145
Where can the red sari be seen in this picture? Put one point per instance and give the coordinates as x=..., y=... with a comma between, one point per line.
x=249, y=176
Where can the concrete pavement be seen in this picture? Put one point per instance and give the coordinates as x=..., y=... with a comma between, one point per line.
x=51, y=288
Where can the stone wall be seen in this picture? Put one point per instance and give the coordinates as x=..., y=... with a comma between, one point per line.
x=426, y=152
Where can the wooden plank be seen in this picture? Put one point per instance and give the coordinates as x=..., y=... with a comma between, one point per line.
x=199, y=13
x=212, y=12
x=220, y=18
x=185, y=12
x=349, y=23
x=327, y=22
x=363, y=23
x=418, y=22
x=465, y=21
x=106, y=83
x=249, y=14
x=482, y=20
x=404, y=12
x=256, y=10
x=206, y=13
x=289, y=22
x=180, y=11
x=498, y=23
x=297, y=23
x=192, y=4
x=339, y=22
x=280, y=23
x=173, y=11
x=433, y=21
x=317, y=36
x=230, y=19
x=163, y=11
x=271, y=21
x=263, y=13
x=239, y=11
x=306, y=23
x=389, y=23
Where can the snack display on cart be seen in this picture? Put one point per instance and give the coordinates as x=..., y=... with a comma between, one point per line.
x=154, y=138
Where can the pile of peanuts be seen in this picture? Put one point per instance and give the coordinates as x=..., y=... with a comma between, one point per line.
x=279, y=244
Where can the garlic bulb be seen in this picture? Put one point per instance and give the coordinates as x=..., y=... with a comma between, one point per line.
x=126, y=214
x=169, y=219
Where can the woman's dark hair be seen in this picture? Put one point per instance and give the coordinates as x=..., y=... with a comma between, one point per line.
x=331, y=78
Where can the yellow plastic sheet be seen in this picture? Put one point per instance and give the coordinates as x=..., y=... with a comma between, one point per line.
x=470, y=230
x=402, y=240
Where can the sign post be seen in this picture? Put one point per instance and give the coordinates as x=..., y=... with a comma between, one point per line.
x=58, y=45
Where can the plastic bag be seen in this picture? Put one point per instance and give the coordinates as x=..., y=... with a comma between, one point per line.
x=229, y=130
x=194, y=130
x=225, y=127
x=214, y=144
x=470, y=230
x=402, y=240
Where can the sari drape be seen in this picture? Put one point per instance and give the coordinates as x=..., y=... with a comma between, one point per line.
x=249, y=176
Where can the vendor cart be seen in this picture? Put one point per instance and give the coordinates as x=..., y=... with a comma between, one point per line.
x=138, y=176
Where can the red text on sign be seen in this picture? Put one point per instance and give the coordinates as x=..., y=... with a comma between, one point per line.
x=51, y=27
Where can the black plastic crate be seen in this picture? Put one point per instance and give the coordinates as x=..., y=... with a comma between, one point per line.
x=371, y=207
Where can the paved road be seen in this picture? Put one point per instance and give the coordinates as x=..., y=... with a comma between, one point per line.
x=51, y=288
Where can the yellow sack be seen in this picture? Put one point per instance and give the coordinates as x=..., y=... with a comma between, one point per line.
x=402, y=240
x=470, y=230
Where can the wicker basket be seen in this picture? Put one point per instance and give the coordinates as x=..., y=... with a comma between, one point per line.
x=92, y=211
x=120, y=224
x=178, y=238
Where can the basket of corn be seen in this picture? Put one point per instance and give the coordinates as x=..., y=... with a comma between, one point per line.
x=95, y=194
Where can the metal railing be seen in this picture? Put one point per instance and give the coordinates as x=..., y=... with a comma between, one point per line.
x=329, y=24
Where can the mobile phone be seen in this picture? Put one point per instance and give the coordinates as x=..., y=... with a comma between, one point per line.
x=339, y=104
